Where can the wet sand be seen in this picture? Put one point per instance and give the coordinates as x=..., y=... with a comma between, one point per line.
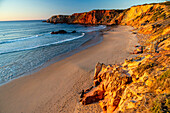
x=56, y=88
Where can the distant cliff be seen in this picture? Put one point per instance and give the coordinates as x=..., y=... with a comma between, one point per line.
x=140, y=84
x=129, y=16
x=107, y=17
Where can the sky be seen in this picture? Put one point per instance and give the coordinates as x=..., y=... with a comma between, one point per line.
x=43, y=9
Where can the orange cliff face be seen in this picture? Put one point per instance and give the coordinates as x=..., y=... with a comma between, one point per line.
x=93, y=17
x=135, y=16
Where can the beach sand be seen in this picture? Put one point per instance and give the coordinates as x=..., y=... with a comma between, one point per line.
x=56, y=88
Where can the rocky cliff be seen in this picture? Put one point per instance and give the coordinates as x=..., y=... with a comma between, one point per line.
x=135, y=16
x=93, y=17
x=140, y=84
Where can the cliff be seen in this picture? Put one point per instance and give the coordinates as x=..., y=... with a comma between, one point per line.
x=140, y=84
x=135, y=15
x=92, y=17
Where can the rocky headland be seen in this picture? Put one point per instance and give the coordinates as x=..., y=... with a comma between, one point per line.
x=140, y=84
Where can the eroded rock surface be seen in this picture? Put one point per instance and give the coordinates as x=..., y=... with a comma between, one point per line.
x=130, y=86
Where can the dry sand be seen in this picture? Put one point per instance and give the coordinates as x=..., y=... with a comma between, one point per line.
x=55, y=88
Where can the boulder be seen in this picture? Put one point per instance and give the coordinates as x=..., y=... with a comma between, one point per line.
x=59, y=32
x=73, y=31
x=94, y=95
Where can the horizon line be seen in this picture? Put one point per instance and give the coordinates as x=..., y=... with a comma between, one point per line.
x=21, y=20
x=85, y=12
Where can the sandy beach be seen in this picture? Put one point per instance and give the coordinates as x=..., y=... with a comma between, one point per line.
x=56, y=88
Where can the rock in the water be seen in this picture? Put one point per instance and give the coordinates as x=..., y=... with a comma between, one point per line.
x=59, y=32
x=73, y=31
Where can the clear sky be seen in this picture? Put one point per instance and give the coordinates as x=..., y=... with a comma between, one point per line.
x=43, y=9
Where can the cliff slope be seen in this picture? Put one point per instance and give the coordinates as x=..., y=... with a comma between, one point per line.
x=140, y=84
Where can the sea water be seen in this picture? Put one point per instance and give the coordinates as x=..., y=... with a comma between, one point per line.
x=27, y=45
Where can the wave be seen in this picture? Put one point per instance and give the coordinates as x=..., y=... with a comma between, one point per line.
x=44, y=45
x=19, y=39
x=90, y=29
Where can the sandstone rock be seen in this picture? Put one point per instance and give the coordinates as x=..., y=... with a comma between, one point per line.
x=94, y=95
x=96, y=82
x=97, y=69
x=122, y=89
x=88, y=89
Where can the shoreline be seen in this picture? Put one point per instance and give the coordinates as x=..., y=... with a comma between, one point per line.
x=95, y=37
x=56, y=86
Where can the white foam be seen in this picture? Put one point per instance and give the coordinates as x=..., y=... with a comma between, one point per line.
x=44, y=45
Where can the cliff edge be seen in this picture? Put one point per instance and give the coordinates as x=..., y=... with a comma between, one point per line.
x=140, y=84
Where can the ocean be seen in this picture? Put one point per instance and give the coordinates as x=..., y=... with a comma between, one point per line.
x=27, y=45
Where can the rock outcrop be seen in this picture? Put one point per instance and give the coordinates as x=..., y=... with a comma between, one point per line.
x=62, y=32
x=59, y=32
x=133, y=86
x=140, y=84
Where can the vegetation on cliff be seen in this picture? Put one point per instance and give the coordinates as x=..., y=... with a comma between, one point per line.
x=140, y=84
